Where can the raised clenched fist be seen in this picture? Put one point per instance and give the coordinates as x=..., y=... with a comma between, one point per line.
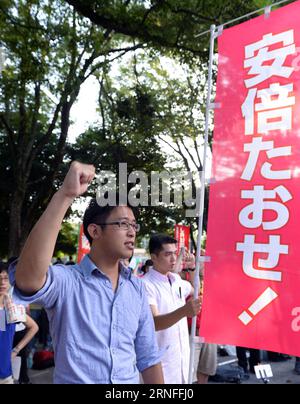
x=77, y=180
x=189, y=260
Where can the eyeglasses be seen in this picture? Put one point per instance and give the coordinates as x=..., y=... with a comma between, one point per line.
x=123, y=225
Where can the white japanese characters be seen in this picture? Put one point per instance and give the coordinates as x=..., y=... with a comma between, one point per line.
x=272, y=111
x=251, y=216
x=274, y=249
x=268, y=111
x=267, y=172
x=258, y=58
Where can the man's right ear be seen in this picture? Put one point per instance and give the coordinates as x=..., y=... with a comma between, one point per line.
x=153, y=257
x=95, y=231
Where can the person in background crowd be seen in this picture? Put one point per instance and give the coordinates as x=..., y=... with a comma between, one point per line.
x=278, y=357
x=297, y=366
x=71, y=261
x=248, y=364
x=44, y=334
x=146, y=267
x=7, y=332
x=58, y=261
x=19, y=335
x=167, y=294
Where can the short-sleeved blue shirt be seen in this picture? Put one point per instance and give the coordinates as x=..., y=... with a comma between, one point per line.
x=6, y=345
x=99, y=336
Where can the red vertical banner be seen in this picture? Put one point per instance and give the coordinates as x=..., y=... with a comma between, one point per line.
x=83, y=245
x=252, y=282
x=182, y=235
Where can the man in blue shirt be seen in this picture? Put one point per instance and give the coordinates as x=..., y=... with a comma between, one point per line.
x=100, y=321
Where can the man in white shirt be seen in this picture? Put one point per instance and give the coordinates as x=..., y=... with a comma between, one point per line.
x=167, y=294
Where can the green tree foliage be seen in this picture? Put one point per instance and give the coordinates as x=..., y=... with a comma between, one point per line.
x=148, y=118
x=125, y=136
x=169, y=24
x=67, y=240
x=175, y=96
x=50, y=49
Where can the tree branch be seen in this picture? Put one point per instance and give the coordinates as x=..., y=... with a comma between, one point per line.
x=32, y=134
x=123, y=52
x=190, y=13
x=151, y=9
x=189, y=153
x=16, y=23
x=185, y=160
x=198, y=155
x=101, y=104
x=169, y=144
x=132, y=29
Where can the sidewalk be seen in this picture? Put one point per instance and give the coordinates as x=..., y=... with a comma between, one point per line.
x=283, y=373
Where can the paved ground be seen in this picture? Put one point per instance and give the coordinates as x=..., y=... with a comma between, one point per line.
x=283, y=374
x=41, y=376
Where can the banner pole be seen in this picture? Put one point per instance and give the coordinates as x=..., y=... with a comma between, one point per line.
x=202, y=197
x=247, y=15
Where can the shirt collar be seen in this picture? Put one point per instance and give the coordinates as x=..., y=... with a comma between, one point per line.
x=170, y=277
x=87, y=267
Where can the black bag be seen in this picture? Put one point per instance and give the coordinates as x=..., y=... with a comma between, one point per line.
x=229, y=374
x=43, y=360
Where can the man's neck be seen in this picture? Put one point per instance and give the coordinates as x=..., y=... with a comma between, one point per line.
x=161, y=272
x=105, y=263
x=108, y=265
x=1, y=301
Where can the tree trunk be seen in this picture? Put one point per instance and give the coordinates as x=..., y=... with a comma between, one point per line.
x=15, y=217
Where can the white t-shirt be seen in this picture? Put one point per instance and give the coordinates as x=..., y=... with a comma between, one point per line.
x=169, y=293
x=20, y=327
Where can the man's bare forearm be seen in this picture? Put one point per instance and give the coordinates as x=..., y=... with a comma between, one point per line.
x=38, y=250
x=164, y=321
x=153, y=375
x=39, y=247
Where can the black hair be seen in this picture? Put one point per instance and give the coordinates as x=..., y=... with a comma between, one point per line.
x=3, y=267
x=99, y=214
x=148, y=263
x=158, y=241
x=11, y=260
